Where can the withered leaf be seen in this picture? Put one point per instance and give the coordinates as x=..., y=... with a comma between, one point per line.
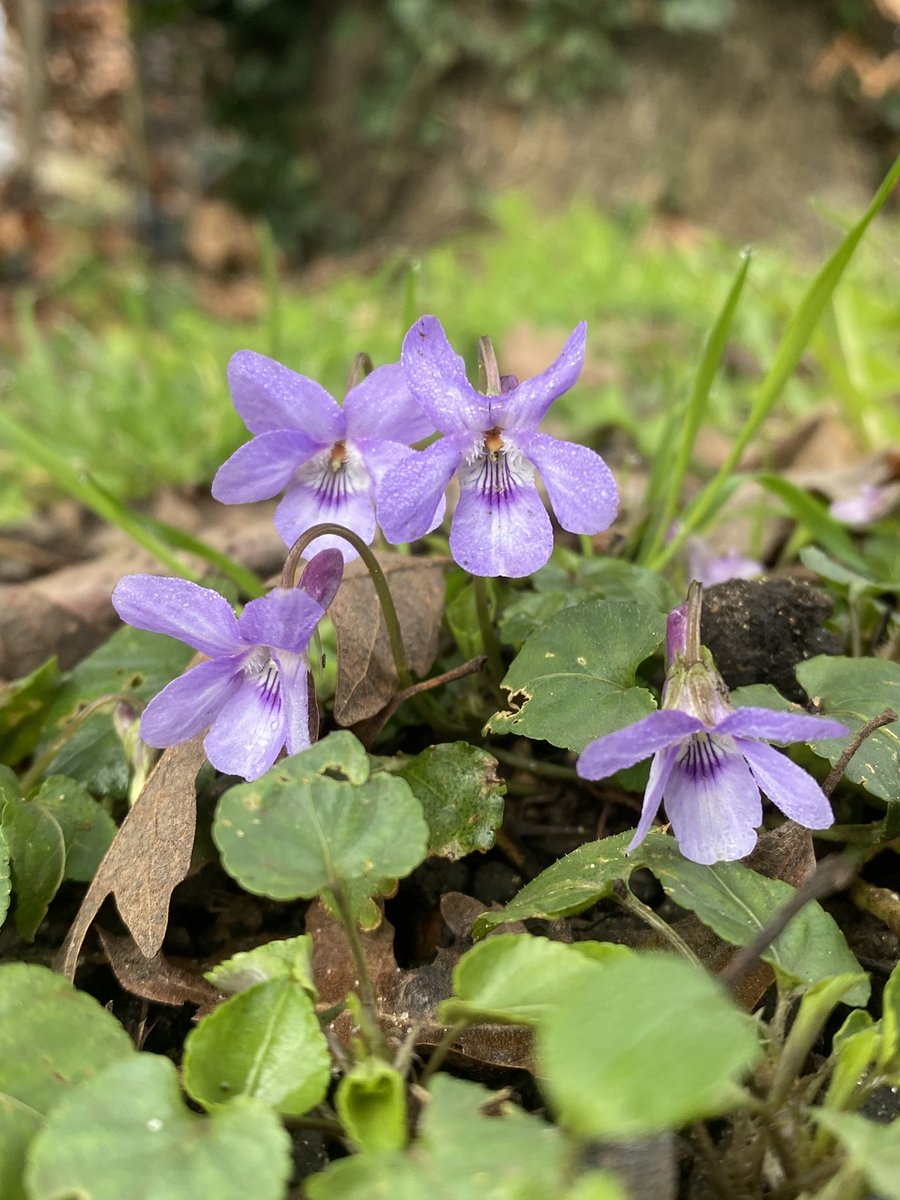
x=156, y=978
x=148, y=858
x=367, y=678
x=408, y=998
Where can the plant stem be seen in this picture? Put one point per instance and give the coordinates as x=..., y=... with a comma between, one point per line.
x=371, y=1027
x=379, y=581
x=488, y=635
x=37, y=768
x=627, y=899
x=535, y=767
x=441, y=1050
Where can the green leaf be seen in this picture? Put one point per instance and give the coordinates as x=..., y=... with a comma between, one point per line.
x=574, y=679
x=18, y=1125
x=296, y=833
x=284, y=958
x=569, y=886
x=129, y=1133
x=460, y=1152
x=873, y=1149
x=23, y=707
x=87, y=827
x=265, y=1042
x=461, y=797
x=51, y=1036
x=889, y=1050
x=371, y=1103
x=37, y=855
x=514, y=978
x=132, y=661
x=649, y=1043
x=736, y=903
x=856, y=1049
x=854, y=690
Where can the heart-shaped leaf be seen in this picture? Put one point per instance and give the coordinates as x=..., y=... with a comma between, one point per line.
x=574, y=679
x=265, y=1042
x=87, y=828
x=854, y=690
x=461, y=797
x=37, y=853
x=129, y=1133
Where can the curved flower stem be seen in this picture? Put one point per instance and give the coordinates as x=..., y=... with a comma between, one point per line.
x=488, y=636
x=37, y=768
x=289, y=571
x=625, y=897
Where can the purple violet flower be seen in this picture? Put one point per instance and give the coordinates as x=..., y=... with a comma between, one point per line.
x=709, y=568
x=330, y=459
x=500, y=526
x=709, y=760
x=253, y=692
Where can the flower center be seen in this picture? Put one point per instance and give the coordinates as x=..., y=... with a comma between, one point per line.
x=703, y=755
x=493, y=443
x=338, y=456
x=334, y=474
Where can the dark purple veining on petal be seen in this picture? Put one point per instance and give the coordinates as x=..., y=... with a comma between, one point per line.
x=702, y=756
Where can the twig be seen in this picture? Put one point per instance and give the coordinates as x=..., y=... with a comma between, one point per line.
x=834, y=775
x=832, y=875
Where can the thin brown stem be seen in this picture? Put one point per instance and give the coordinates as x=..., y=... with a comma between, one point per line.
x=834, y=775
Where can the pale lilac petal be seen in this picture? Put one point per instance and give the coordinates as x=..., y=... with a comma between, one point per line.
x=712, y=801
x=381, y=407
x=322, y=576
x=410, y=493
x=195, y=615
x=788, y=786
x=624, y=747
x=660, y=769
x=710, y=568
x=249, y=732
x=503, y=532
x=284, y=619
x=779, y=726
x=190, y=703
x=269, y=396
x=381, y=458
x=437, y=378
x=533, y=397
x=579, y=484
x=262, y=467
x=294, y=673
x=342, y=497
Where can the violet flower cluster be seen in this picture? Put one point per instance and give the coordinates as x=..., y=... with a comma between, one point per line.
x=253, y=692
x=711, y=761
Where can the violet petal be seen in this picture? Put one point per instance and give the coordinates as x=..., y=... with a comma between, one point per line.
x=579, y=484
x=505, y=532
x=284, y=619
x=437, y=378
x=624, y=747
x=249, y=731
x=262, y=467
x=411, y=493
x=779, y=726
x=660, y=769
x=180, y=609
x=294, y=673
x=269, y=396
x=533, y=397
x=788, y=786
x=190, y=703
x=712, y=801
x=381, y=407
x=306, y=505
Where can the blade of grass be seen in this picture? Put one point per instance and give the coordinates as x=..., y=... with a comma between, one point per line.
x=694, y=412
x=813, y=515
x=792, y=345
x=143, y=530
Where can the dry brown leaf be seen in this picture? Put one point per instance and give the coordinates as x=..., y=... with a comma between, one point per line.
x=148, y=858
x=367, y=678
x=409, y=998
x=156, y=978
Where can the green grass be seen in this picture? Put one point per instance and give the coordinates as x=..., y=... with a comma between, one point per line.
x=130, y=387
